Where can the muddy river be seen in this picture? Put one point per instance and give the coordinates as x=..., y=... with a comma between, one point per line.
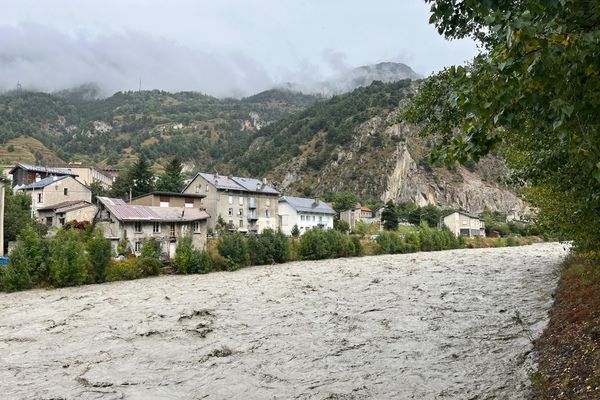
x=445, y=325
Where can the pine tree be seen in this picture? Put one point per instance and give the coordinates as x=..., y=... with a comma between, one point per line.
x=171, y=180
x=141, y=177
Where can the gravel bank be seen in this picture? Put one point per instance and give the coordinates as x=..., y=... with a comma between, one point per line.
x=450, y=324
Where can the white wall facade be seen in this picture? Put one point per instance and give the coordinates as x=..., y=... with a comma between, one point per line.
x=288, y=217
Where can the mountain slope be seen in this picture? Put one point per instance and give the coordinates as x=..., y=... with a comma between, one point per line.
x=353, y=143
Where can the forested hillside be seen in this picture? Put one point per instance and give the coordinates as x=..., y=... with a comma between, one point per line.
x=109, y=131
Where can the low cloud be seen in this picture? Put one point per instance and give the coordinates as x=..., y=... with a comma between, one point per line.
x=43, y=58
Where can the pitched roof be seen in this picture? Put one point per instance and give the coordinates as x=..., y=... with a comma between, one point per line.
x=47, y=170
x=70, y=205
x=307, y=205
x=466, y=214
x=127, y=212
x=365, y=208
x=43, y=183
x=225, y=182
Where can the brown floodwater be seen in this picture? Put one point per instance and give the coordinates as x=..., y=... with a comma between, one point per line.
x=443, y=325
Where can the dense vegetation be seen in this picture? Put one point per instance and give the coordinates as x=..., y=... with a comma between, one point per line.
x=143, y=122
x=533, y=93
x=332, y=122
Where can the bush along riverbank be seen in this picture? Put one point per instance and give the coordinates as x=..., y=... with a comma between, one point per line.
x=79, y=255
x=569, y=348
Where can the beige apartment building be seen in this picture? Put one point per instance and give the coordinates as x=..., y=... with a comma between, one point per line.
x=135, y=223
x=170, y=199
x=88, y=174
x=464, y=224
x=54, y=190
x=247, y=204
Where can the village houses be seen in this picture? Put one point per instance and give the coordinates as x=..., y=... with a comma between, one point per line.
x=304, y=213
x=54, y=190
x=462, y=223
x=25, y=174
x=245, y=204
x=359, y=213
x=87, y=174
x=133, y=224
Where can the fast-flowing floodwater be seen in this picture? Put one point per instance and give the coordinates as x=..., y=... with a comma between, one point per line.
x=452, y=324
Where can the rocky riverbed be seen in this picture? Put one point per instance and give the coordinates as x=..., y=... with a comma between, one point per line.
x=453, y=324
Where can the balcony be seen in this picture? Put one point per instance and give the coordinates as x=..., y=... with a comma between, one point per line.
x=252, y=204
x=252, y=216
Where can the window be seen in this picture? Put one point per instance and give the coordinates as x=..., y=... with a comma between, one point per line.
x=196, y=227
x=230, y=212
x=156, y=227
x=320, y=218
x=241, y=223
x=268, y=201
x=230, y=199
x=164, y=201
x=267, y=213
x=241, y=212
x=138, y=246
x=189, y=203
x=61, y=221
x=230, y=223
x=241, y=201
x=138, y=226
x=49, y=221
x=198, y=188
x=66, y=191
x=172, y=229
x=301, y=217
x=314, y=218
x=40, y=197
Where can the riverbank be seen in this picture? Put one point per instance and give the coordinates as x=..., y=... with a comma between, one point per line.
x=569, y=348
x=453, y=324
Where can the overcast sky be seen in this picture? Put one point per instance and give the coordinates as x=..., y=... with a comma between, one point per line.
x=220, y=47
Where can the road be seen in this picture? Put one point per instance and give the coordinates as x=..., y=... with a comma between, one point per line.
x=453, y=324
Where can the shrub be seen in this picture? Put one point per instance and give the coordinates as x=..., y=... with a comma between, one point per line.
x=183, y=254
x=234, y=248
x=259, y=251
x=313, y=245
x=388, y=243
x=413, y=239
x=100, y=254
x=151, y=249
x=281, y=247
x=358, y=249
x=123, y=270
x=68, y=261
x=149, y=266
x=512, y=241
x=26, y=266
x=201, y=262
x=17, y=274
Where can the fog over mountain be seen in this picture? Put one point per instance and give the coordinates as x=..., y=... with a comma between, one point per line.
x=225, y=48
x=45, y=59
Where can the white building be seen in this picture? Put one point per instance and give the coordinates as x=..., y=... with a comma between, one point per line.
x=464, y=224
x=306, y=213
